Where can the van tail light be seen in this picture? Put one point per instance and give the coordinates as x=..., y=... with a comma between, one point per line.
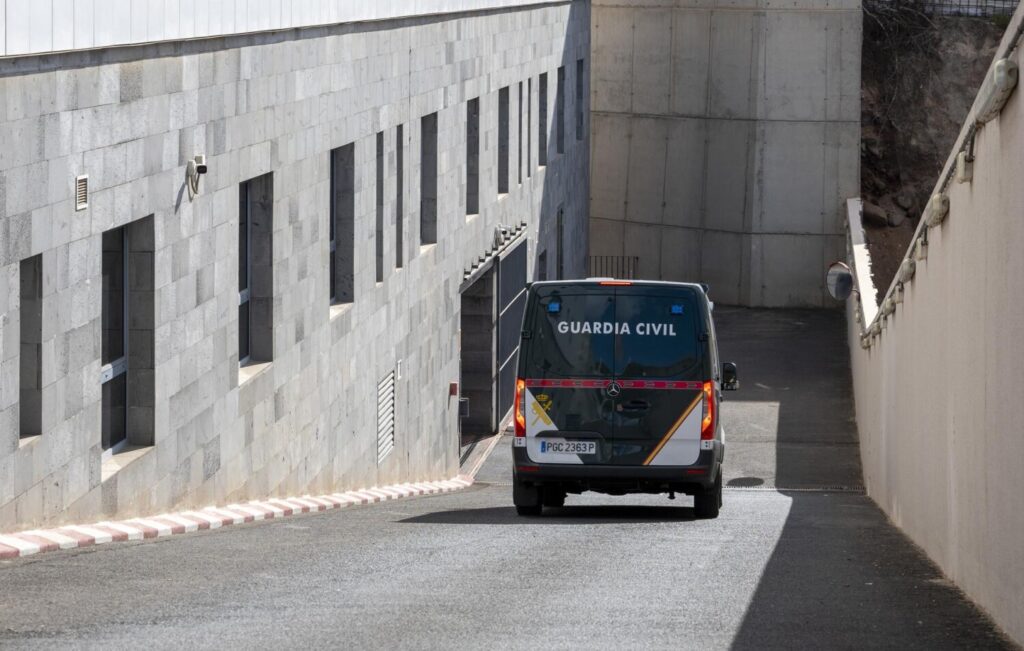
x=520, y=418
x=707, y=424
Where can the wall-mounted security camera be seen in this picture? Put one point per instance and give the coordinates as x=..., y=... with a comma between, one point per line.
x=193, y=171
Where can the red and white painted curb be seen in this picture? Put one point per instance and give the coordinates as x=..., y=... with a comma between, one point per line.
x=214, y=517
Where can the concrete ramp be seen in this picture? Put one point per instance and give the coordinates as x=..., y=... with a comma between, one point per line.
x=792, y=423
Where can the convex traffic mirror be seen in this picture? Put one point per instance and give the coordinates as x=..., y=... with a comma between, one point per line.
x=839, y=281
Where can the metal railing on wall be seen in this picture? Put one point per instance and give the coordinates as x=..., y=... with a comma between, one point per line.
x=972, y=8
x=979, y=8
x=614, y=266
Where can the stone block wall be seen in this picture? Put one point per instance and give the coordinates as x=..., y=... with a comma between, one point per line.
x=263, y=104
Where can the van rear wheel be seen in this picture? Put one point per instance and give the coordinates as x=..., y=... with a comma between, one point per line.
x=553, y=497
x=527, y=499
x=708, y=503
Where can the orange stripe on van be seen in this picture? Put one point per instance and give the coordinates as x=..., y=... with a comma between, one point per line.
x=672, y=430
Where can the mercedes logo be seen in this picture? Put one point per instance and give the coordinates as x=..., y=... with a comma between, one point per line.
x=614, y=389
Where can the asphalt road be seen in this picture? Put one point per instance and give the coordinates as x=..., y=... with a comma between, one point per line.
x=799, y=557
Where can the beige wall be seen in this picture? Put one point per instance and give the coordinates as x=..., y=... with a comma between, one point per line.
x=940, y=392
x=726, y=137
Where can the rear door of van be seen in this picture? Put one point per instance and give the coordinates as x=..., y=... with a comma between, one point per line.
x=566, y=364
x=659, y=369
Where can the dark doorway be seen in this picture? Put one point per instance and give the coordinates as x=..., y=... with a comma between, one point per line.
x=477, y=360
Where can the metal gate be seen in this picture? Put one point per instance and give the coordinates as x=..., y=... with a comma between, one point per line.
x=511, y=303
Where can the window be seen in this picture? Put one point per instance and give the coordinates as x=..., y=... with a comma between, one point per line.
x=399, y=195
x=114, y=343
x=542, y=121
x=555, y=351
x=542, y=266
x=529, y=127
x=560, y=250
x=342, y=219
x=473, y=157
x=579, y=99
x=255, y=269
x=560, y=111
x=30, y=395
x=127, y=315
x=428, y=179
x=503, y=144
x=645, y=354
x=379, y=235
x=519, y=131
x=662, y=340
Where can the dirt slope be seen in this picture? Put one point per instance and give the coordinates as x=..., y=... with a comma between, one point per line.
x=920, y=75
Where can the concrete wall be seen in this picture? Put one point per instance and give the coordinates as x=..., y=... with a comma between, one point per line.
x=305, y=422
x=726, y=137
x=938, y=391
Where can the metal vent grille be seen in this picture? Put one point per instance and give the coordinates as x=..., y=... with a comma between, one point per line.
x=385, y=416
x=81, y=192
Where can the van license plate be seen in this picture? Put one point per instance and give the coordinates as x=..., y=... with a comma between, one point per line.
x=568, y=447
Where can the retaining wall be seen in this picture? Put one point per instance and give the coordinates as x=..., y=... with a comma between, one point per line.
x=939, y=387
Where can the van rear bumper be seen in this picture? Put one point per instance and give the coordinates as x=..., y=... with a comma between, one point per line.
x=620, y=479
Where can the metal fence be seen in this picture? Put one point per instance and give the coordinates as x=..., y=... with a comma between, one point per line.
x=614, y=266
x=980, y=8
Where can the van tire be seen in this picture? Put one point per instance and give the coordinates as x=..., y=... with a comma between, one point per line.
x=554, y=498
x=527, y=499
x=707, y=504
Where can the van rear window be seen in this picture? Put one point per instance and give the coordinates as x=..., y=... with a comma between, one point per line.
x=559, y=346
x=603, y=335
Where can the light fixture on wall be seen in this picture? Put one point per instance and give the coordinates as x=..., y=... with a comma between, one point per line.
x=888, y=306
x=938, y=208
x=964, y=167
x=907, y=270
x=194, y=170
x=998, y=87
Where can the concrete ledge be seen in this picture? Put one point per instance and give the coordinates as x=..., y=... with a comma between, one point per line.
x=112, y=23
x=28, y=543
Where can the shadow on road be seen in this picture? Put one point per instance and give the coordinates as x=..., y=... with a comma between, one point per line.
x=840, y=575
x=506, y=515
